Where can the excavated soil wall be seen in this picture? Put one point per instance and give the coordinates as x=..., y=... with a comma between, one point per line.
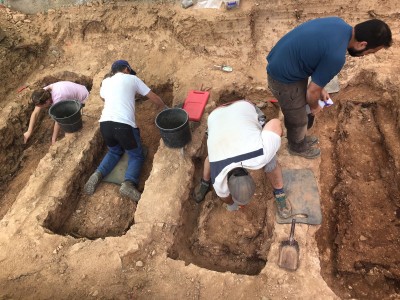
x=80, y=247
x=364, y=194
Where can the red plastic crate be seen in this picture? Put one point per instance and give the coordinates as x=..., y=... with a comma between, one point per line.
x=195, y=103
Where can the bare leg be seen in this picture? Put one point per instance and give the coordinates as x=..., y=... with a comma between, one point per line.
x=275, y=177
x=206, y=170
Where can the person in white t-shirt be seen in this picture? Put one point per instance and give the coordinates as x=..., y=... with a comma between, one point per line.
x=236, y=143
x=119, y=129
x=50, y=95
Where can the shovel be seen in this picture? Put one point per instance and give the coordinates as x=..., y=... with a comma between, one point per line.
x=289, y=252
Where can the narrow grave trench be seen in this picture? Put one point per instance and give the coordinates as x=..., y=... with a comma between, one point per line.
x=360, y=194
x=22, y=160
x=106, y=213
x=212, y=238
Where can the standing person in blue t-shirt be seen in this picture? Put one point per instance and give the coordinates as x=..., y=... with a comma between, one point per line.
x=316, y=48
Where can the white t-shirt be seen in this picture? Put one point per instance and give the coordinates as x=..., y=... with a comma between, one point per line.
x=67, y=90
x=236, y=139
x=119, y=93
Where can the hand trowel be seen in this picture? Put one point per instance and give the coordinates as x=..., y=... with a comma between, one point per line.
x=289, y=251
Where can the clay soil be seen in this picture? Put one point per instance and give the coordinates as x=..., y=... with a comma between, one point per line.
x=57, y=243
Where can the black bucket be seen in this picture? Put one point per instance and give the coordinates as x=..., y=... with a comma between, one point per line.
x=174, y=127
x=67, y=113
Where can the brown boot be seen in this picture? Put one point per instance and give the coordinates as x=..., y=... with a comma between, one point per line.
x=311, y=140
x=303, y=149
x=201, y=190
x=310, y=153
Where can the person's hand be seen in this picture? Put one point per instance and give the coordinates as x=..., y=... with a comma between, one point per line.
x=324, y=95
x=26, y=136
x=315, y=110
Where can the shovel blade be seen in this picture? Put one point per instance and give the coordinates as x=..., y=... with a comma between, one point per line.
x=289, y=255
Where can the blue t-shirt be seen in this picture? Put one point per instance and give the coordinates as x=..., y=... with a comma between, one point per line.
x=316, y=48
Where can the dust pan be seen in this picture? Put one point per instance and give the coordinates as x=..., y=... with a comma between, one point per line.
x=289, y=252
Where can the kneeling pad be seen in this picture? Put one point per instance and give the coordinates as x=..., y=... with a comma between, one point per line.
x=117, y=175
x=302, y=191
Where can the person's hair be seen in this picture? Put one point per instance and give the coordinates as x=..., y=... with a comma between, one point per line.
x=118, y=68
x=40, y=96
x=375, y=32
x=107, y=75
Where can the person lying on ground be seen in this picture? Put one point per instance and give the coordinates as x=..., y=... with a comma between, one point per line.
x=119, y=129
x=236, y=143
x=316, y=49
x=50, y=95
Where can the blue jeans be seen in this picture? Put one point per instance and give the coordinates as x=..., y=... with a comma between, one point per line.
x=122, y=138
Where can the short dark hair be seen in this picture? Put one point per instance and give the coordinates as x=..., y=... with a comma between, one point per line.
x=40, y=96
x=118, y=68
x=375, y=32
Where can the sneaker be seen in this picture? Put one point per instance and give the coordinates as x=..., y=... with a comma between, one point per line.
x=129, y=190
x=283, y=206
x=311, y=140
x=92, y=183
x=201, y=190
x=310, y=153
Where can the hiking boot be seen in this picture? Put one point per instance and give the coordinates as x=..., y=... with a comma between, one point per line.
x=283, y=206
x=309, y=153
x=92, y=183
x=129, y=190
x=311, y=140
x=201, y=190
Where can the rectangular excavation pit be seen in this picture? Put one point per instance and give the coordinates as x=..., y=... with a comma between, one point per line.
x=106, y=212
x=18, y=160
x=212, y=237
x=362, y=255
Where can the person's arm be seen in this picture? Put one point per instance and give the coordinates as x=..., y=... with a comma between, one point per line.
x=56, y=130
x=32, y=123
x=153, y=97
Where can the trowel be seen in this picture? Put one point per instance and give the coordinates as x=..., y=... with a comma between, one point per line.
x=289, y=251
x=224, y=68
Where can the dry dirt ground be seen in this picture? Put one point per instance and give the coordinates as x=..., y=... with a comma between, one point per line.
x=56, y=243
